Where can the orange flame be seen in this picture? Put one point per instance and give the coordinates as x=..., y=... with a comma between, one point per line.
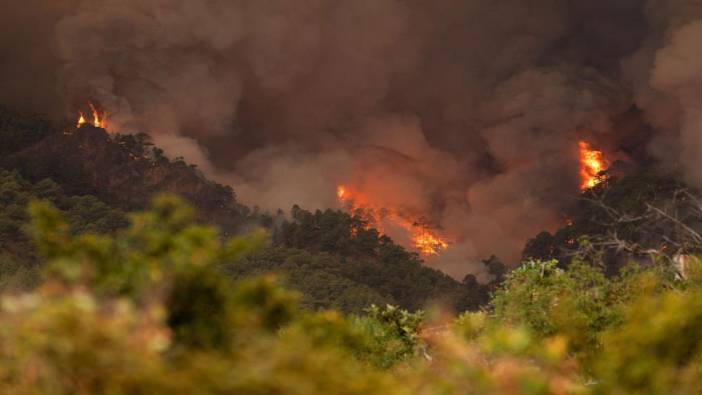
x=96, y=118
x=99, y=121
x=81, y=120
x=592, y=163
x=425, y=240
x=341, y=192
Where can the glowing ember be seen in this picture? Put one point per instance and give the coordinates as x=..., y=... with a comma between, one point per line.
x=425, y=240
x=592, y=163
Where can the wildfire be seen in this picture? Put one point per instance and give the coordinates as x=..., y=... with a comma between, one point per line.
x=99, y=121
x=425, y=240
x=592, y=163
x=81, y=120
x=341, y=192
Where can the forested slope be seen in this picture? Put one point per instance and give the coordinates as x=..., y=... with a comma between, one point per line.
x=332, y=257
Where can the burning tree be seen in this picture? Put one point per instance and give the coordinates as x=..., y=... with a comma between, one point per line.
x=424, y=238
x=592, y=166
x=99, y=119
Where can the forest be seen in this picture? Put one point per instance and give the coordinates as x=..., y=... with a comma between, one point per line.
x=150, y=290
x=308, y=197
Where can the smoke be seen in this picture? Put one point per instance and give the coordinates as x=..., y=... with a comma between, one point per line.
x=668, y=72
x=464, y=114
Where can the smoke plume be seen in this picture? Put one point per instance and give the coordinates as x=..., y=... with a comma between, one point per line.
x=464, y=113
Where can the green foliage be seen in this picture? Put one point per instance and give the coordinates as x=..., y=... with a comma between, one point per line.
x=367, y=258
x=658, y=348
x=470, y=325
x=163, y=251
x=403, y=323
x=16, y=275
x=578, y=303
x=321, y=278
x=636, y=333
x=147, y=309
x=61, y=341
x=496, y=359
x=199, y=309
x=18, y=131
x=124, y=171
x=85, y=214
x=693, y=272
x=265, y=302
x=624, y=219
x=365, y=338
x=332, y=258
x=530, y=293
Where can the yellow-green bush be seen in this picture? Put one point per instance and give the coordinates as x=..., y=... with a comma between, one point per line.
x=147, y=311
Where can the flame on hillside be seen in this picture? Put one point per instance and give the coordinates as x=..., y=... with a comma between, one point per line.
x=592, y=164
x=81, y=120
x=424, y=239
x=99, y=120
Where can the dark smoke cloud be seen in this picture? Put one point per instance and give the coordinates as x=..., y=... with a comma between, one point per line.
x=666, y=73
x=466, y=113
x=28, y=62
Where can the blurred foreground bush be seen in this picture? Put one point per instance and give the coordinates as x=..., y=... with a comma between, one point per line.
x=146, y=311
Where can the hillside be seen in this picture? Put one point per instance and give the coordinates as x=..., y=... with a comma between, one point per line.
x=645, y=217
x=125, y=171
x=19, y=265
x=340, y=264
x=332, y=257
x=373, y=197
x=149, y=311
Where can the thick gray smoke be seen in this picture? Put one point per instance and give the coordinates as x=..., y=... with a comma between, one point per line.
x=465, y=113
